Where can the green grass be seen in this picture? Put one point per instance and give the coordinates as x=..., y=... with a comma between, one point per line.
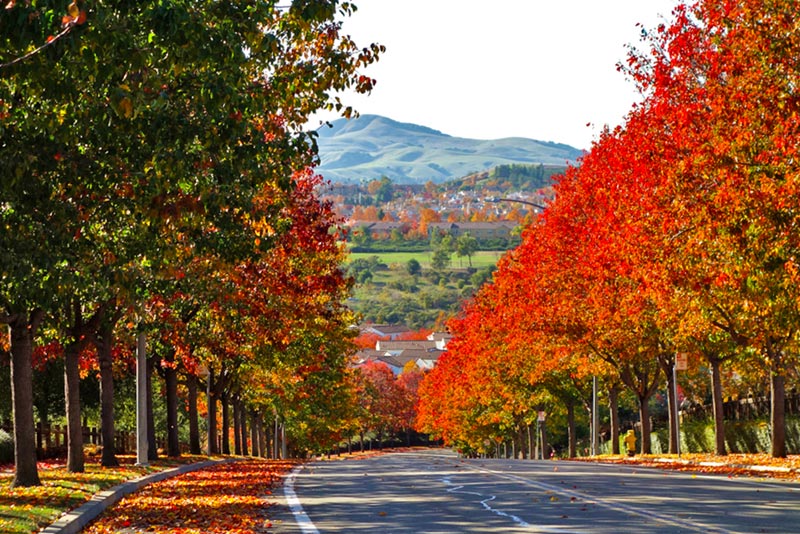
x=482, y=258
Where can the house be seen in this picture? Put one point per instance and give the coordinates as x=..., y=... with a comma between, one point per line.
x=423, y=359
x=381, y=228
x=441, y=339
x=478, y=230
x=391, y=331
x=398, y=346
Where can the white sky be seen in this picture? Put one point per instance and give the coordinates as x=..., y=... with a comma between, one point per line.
x=489, y=69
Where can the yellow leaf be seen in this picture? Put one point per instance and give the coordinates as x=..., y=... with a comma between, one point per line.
x=126, y=107
x=73, y=10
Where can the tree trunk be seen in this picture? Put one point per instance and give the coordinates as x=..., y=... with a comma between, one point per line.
x=22, y=332
x=572, y=438
x=194, y=423
x=778, y=414
x=613, y=408
x=284, y=443
x=254, y=435
x=212, y=414
x=719, y=412
x=171, y=385
x=672, y=407
x=531, y=444
x=261, y=431
x=644, y=418
x=243, y=427
x=72, y=397
x=237, y=427
x=104, y=345
x=543, y=430
x=226, y=424
x=152, y=447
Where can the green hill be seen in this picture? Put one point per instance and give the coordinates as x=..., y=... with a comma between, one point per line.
x=372, y=146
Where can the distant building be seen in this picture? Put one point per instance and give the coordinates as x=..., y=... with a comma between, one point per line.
x=380, y=228
x=398, y=346
x=441, y=339
x=478, y=230
x=391, y=331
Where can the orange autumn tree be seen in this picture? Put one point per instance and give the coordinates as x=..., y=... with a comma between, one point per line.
x=724, y=76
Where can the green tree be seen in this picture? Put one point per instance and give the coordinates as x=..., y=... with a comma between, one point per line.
x=413, y=267
x=441, y=258
x=466, y=245
x=130, y=147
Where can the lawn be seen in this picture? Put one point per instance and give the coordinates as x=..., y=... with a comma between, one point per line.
x=482, y=258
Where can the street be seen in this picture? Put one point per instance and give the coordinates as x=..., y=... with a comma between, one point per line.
x=437, y=492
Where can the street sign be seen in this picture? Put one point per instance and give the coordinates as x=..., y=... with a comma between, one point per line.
x=681, y=361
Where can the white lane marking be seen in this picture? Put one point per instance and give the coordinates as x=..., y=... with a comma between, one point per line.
x=485, y=502
x=519, y=521
x=303, y=521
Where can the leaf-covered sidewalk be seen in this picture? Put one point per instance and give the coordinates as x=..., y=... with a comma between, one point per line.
x=226, y=498
x=732, y=465
x=25, y=510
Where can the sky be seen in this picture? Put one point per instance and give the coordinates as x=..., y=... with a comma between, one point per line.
x=541, y=69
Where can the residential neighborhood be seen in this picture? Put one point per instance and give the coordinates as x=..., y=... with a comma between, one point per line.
x=397, y=354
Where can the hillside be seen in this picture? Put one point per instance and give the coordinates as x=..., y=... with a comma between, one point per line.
x=372, y=146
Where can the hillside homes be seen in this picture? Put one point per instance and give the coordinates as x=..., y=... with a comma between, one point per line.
x=478, y=230
x=398, y=353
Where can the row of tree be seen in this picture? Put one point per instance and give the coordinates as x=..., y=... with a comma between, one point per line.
x=153, y=165
x=679, y=233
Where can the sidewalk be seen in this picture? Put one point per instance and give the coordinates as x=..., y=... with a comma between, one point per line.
x=758, y=465
x=73, y=521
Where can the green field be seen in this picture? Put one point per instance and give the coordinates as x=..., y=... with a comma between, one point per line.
x=482, y=258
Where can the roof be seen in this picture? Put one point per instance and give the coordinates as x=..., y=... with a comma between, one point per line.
x=400, y=345
x=386, y=329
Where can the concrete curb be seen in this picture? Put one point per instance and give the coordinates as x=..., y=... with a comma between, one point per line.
x=73, y=521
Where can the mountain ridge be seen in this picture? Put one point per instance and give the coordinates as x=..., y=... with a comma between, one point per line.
x=372, y=146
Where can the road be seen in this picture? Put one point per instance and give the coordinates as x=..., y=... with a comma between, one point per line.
x=437, y=492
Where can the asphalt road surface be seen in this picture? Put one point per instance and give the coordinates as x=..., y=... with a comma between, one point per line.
x=436, y=493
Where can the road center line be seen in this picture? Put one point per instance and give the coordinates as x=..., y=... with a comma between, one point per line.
x=303, y=521
x=619, y=507
x=485, y=502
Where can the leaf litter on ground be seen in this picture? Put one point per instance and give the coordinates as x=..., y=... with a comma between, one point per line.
x=226, y=498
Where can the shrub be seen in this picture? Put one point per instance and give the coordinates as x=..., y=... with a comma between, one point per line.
x=6, y=447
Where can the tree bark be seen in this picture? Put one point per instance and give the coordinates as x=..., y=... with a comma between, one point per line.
x=672, y=407
x=717, y=404
x=778, y=413
x=237, y=425
x=644, y=418
x=171, y=385
x=243, y=428
x=194, y=423
x=572, y=438
x=212, y=414
x=261, y=431
x=226, y=424
x=72, y=397
x=152, y=446
x=613, y=408
x=254, y=436
x=104, y=345
x=22, y=333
